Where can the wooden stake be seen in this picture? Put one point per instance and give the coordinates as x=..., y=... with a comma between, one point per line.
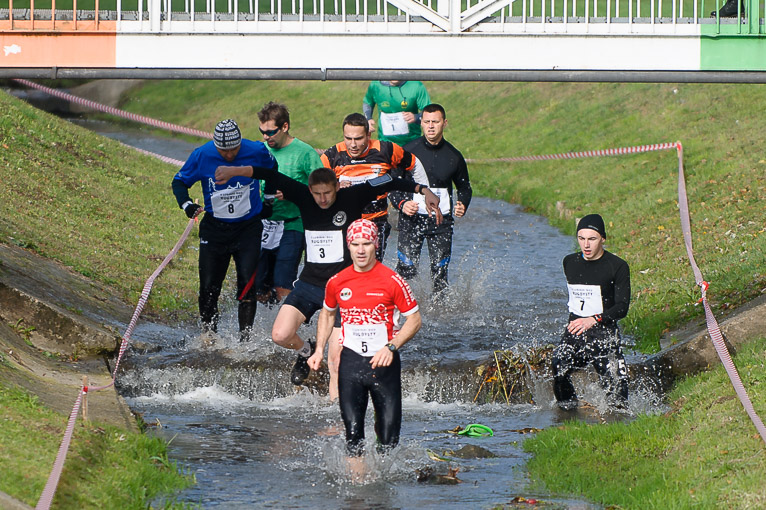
x=85, y=398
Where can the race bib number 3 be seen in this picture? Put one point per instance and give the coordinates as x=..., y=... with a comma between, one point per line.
x=585, y=300
x=365, y=339
x=324, y=246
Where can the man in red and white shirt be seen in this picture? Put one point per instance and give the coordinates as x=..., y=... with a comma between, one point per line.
x=367, y=293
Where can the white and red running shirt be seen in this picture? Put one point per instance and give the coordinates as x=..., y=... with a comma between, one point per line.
x=367, y=301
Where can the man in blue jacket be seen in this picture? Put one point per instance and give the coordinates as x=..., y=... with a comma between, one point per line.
x=231, y=227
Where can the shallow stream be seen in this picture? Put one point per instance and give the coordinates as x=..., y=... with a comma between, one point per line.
x=255, y=441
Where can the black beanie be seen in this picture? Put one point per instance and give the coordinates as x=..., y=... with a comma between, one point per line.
x=594, y=222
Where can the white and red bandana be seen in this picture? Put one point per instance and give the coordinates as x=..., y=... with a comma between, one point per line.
x=364, y=229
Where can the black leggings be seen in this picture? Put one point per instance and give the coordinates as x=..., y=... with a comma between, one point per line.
x=356, y=379
x=413, y=230
x=595, y=346
x=219, y=243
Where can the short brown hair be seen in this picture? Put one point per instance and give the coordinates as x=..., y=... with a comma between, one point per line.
x=322, y=176
x=276, y=112
x=357, y=119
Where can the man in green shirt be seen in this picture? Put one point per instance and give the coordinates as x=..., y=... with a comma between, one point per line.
x=283, y=242
x=400, y=106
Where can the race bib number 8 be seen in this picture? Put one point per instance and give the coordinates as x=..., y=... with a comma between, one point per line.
x=324, y=246
x=365, y=339
x=231, y=203
x=585, y=300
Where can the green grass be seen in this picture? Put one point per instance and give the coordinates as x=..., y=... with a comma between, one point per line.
x=636, y=194
x=106, y=467
x=92, y=204
x=704, y=453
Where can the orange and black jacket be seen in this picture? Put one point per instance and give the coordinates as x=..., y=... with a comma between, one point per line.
x=380, y=158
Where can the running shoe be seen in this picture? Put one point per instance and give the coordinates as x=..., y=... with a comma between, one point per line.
x=301, y=368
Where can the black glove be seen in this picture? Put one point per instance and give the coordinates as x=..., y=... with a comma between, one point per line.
x=267, y=210
x=191, y=209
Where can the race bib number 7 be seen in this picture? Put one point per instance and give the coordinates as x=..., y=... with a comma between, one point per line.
x=585, y=300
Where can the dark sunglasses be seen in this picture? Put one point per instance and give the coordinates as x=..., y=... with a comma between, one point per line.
x=270, y=132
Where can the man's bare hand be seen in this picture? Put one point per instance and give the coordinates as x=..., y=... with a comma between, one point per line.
x=581, y=325
x=382, y=358
x=459, y=209
x=432, y=205
x=315, y=360
x=410, y=207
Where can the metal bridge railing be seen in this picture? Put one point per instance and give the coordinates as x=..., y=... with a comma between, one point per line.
x=666, y=17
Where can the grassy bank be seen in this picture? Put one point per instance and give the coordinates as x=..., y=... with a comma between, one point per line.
x=96, y=206
x=703, y=453
x=719, y=126
x=106, y=467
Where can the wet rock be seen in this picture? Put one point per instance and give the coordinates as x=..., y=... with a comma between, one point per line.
x=429, y=475
x=471, y=451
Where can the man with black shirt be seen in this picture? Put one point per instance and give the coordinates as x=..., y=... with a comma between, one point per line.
x=445, y=166
x=326, y=210
x=599, y=295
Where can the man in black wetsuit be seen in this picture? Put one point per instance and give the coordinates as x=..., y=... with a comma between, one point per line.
x=599, y=295
x=326, y=211
x=444, y=165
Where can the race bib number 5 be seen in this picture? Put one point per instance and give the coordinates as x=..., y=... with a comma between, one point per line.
x=585, y=300
x=324, y=246
x=365, y=339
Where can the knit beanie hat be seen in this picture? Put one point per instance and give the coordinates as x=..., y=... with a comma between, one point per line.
x=226, y=135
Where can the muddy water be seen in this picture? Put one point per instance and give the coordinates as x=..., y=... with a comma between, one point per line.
x=254, y=441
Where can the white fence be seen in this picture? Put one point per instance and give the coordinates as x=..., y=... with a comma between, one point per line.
x=597, y=17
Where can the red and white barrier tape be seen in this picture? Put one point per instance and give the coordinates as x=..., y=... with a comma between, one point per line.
x=712, y=325
x=49, y=491
x=114, y=111
x=166, y=159
x=619, y=151
x=46, y=498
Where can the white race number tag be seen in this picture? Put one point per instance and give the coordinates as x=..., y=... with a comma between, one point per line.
x=365, y=339
x=324, y=246
x=231, y=203
x=443, y=195
x=585, y=300
x=393, y=124
x=272, y=234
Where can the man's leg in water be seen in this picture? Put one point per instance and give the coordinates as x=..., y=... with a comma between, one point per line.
x=284, y=332
x=333, y=362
